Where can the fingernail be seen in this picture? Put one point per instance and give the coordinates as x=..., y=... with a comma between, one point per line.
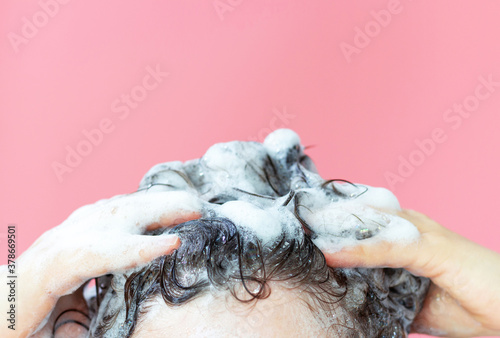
x=171, y=239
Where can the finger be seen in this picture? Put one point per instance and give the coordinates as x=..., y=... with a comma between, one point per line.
x=127, y=252
x=425, y=256
x=141, y=210
x=138, y=212
x=174, y=218
x=381, y=254
x=143, y=249
x=380, y=251
x=423, y=222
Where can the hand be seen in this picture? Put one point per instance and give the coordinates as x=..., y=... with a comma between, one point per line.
x=96, y=239
x=69, y=318
x=464, y=297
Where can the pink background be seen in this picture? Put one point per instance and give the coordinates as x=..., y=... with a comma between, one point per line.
x=237, y=72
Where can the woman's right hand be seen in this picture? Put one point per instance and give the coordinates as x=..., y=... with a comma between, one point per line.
x=97, y=239
x=464, y=297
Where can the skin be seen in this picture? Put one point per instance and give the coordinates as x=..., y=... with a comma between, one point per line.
x=65, y=257
x=72, y=301
x=464, y=298
x=283, y=314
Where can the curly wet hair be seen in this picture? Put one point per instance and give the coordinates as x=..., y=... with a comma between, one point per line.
x=216, y=253
x=219, y=254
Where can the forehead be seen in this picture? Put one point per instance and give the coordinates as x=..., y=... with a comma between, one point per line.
x=283, y=314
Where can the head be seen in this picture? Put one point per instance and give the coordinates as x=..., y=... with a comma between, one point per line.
x=253, y=265
x=223, y=281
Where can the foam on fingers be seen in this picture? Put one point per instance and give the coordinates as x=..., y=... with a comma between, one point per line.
x=141, y=209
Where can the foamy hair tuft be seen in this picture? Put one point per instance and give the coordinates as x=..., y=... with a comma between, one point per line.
x=249, y=182
x=268, y=200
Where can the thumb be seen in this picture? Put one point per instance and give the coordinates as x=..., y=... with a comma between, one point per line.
x=137, y=250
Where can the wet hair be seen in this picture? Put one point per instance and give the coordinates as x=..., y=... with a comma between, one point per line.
x=215, y=253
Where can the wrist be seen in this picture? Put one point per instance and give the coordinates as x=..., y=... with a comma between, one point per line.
x=39, y=288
